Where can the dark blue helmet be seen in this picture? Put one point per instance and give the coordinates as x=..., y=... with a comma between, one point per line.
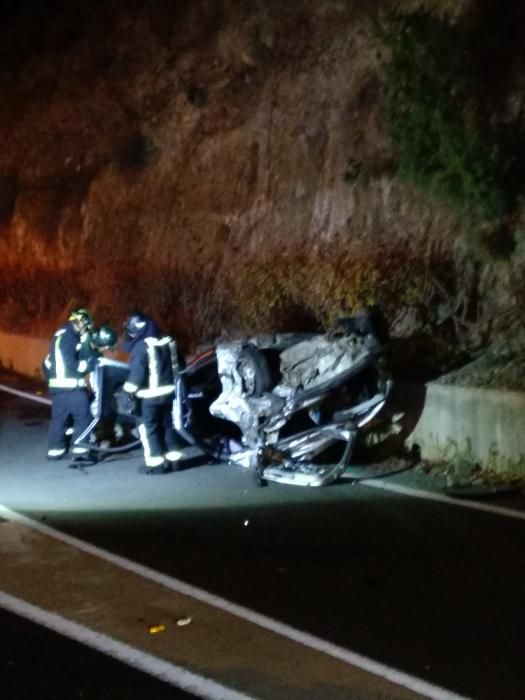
x=104, y=337
x=136, y=324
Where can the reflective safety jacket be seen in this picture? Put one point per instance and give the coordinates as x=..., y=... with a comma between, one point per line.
x=64, y=367
x=152, y=368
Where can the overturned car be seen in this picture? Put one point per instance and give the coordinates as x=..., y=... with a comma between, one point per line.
x=288, y=406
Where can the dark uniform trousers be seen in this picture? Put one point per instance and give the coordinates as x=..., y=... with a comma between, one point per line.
x=66, y=404
x=155, y=419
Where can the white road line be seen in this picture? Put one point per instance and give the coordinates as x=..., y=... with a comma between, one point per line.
x=25, y=395
x=412, y=683
x=158, y=668
x=417, y=685
x=442, y=498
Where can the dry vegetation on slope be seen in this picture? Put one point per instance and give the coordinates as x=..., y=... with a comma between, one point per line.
x=223, y=165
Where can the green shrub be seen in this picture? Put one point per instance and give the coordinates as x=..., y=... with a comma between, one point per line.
x=430, y=114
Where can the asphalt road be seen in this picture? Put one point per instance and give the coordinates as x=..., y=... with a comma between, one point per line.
x=431, y=589
x=37, y=663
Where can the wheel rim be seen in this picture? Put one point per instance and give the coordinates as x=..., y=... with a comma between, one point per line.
x=247, y=373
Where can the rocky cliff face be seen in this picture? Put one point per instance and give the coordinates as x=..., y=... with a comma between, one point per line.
x=153, y=151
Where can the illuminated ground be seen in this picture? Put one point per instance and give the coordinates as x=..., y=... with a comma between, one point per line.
x=427, y=588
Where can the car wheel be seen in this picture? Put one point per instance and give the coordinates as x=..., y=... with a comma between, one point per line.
x=254, y=371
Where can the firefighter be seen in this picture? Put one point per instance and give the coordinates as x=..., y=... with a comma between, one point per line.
x=96, y=343
x=100, y=342
x=66, y=371
x=150, y=387
x=104, y=339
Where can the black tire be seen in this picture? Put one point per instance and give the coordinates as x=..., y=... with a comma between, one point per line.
x=254, y=371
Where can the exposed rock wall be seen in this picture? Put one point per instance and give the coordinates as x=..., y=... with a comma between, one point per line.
x=191, y=136
x=191, y=128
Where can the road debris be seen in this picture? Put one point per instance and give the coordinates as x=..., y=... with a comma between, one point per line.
x=183, y=621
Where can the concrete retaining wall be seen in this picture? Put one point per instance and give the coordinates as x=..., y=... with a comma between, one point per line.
x=481, y=425
x=22, y=353
x=450, y=422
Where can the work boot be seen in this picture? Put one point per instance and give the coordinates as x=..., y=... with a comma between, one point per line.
x=174, y=465
x=89, y=457
x=174, y=458
x=155, y=471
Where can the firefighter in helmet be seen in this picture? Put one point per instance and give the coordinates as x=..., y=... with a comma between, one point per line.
x=153, y=366
x=65, y=371
x=100, y=342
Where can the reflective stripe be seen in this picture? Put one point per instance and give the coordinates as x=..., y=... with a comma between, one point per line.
x=61, y=380
x=156, y=342
x=154, y=388
x=154, y=461
x=56, y=453
x=176, y=415
x=79, y=450
x=60, y=369
x=174, y=358
x=64, y=383
x=144, y=440
x=174, y=455
x=153, y=364
x=155, y=392
x=152, y=344
x=149, y=460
